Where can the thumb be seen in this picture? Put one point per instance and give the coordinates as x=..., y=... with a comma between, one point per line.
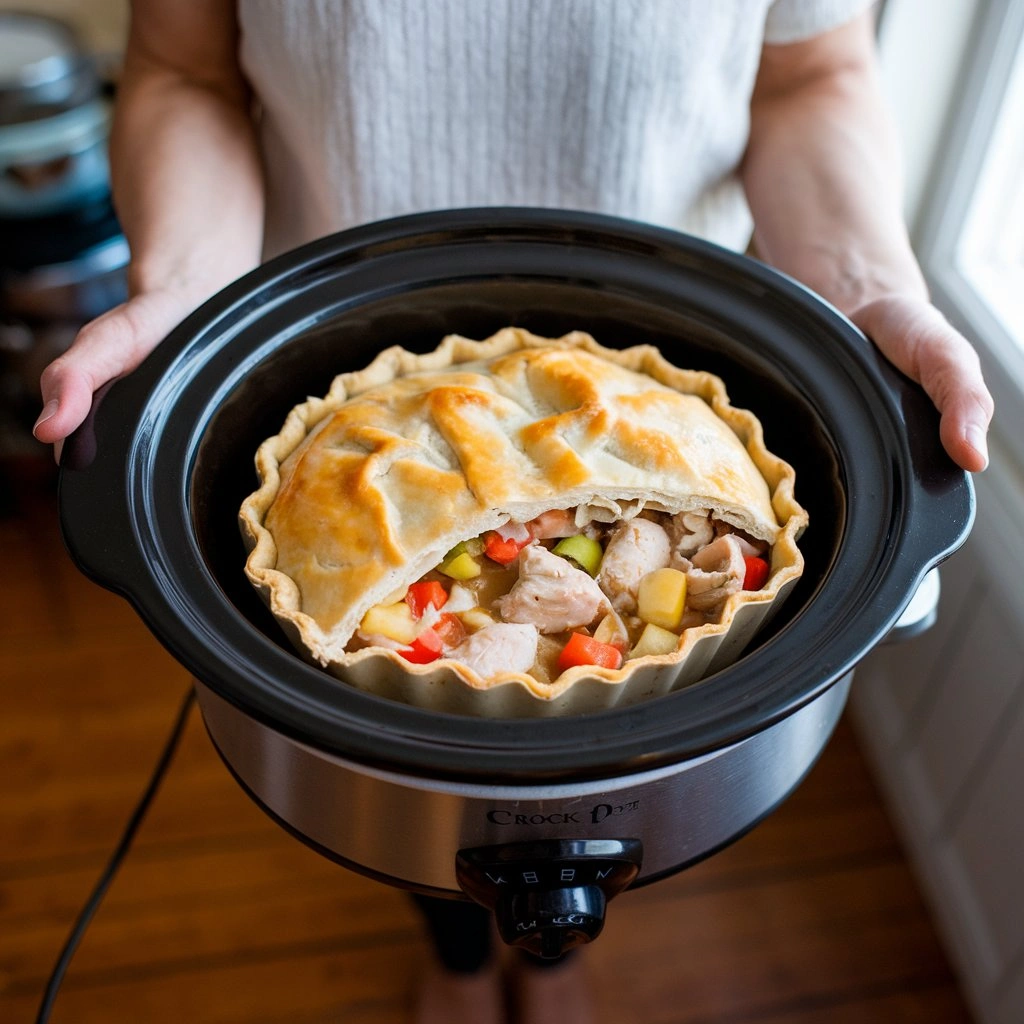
x=106, y=348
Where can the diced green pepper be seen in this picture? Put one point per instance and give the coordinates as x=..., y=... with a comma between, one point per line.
x=455, y=552
x=581, y=549
x=463, y=566
x=473, y=546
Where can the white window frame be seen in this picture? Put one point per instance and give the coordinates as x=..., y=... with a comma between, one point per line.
x=952, y=211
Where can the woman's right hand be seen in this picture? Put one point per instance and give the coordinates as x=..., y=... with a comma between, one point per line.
x=107, y=347
x=188, y=186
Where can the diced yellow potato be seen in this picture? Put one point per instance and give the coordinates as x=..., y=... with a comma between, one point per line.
x=476, y=618
x=394, y=621
x=462, y=567
x=655, y=640
x=662, y=597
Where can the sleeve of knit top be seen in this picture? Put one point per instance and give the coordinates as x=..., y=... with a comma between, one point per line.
x=790, y=21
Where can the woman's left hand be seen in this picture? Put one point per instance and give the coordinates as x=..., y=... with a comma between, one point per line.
x=913, y=335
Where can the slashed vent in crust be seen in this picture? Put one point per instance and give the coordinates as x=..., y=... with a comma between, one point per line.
x=418, y=458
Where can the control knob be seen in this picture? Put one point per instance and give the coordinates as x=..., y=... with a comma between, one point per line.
x=549, y=895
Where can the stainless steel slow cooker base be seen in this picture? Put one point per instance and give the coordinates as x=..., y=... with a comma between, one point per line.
x=408, y=830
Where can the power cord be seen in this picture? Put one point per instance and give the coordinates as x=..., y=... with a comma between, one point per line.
x=92, y=904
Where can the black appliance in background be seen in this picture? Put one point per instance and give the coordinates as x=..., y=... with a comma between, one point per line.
x=62, y=254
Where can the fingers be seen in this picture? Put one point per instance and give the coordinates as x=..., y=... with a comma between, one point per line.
x=67, y=397
x=106, y=348
x=918, y=340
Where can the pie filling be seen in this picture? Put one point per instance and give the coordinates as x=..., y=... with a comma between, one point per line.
x=564, y=590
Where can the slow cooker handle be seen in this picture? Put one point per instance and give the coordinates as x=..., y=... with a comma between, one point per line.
x=939, y=500
x=95, y=510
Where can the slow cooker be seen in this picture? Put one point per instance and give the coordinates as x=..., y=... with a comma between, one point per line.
x=542, y=820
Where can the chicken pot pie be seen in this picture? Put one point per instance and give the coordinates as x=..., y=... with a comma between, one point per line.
x=522, y=525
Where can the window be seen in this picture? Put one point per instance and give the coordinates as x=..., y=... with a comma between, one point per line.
x=990, y=254
x=970, y=236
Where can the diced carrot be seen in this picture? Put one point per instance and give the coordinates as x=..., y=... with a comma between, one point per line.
x=502, y=551
x=450, y=629
x=424, y=593
x=585, y=650
x=425, y=648
x=756, y=574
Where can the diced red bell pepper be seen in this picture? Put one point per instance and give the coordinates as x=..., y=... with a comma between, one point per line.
x=756, y=574
x=425, y=648
x=419, y=595
x=450, y=629
x=585, y=650
x=502, y=551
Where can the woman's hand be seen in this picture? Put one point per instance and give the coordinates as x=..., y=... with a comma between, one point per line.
x=108, y=347
x=188, y=188
x=915, y=337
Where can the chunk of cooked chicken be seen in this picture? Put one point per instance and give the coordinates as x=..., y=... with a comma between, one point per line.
x=551, y=593
x=754, y=548
x=717, y=571
x=637, y=547
x=501, y=647
x=688, y=532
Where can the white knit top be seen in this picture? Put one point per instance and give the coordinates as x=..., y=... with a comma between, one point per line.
x=373, y=108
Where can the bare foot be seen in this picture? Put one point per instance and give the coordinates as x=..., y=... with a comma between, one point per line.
x=448, y=997
x=553, y=995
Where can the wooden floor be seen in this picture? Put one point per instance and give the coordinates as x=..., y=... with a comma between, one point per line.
x=218, y=916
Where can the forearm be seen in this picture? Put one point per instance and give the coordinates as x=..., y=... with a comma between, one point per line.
x=822, y=177
x=186, y=178
x=188, y=191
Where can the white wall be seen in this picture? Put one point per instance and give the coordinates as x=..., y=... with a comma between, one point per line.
x=922, y=45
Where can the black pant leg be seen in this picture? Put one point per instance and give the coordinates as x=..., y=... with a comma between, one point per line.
x=461, y=934
x=460, y=931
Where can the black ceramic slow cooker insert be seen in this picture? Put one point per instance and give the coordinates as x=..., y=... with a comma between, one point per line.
x=575, y=808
